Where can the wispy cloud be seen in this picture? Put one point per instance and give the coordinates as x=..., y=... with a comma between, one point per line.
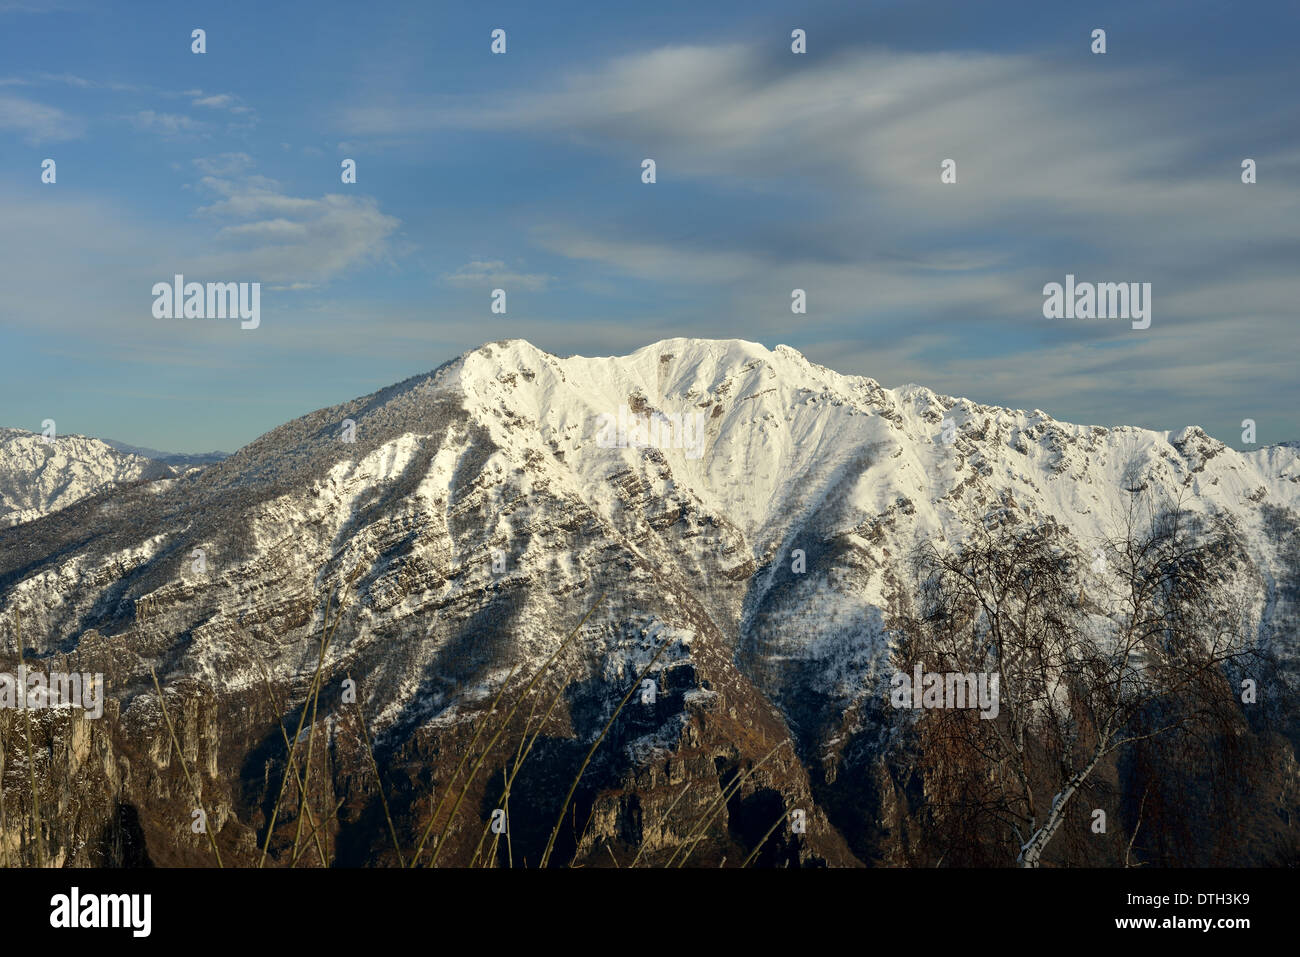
x=1042, y=149
x=1021, y=129
x=494, y=272
x=38, y=6
x=169, y=125
x=287, y=239
x=36, y=122
x=219, y=101
x=68, y=80
x=225, y=165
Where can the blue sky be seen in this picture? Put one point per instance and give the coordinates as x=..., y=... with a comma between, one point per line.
x=523, y=171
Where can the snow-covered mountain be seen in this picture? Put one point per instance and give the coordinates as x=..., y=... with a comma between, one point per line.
x=477, y=512
x=38, y=476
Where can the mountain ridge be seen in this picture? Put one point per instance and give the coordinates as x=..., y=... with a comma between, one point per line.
x=474, y=516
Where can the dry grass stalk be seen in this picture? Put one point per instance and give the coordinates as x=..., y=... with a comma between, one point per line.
x=550, y=843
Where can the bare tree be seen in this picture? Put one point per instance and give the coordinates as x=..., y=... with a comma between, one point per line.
x=1151, y=653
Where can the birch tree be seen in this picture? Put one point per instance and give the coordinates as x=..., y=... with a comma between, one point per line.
x=1093, y=654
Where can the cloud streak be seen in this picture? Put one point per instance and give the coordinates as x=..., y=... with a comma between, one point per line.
x=494, y=273
x=37, y=123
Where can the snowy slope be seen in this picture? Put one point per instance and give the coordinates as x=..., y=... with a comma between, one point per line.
x=499, y=450
x=39, y=477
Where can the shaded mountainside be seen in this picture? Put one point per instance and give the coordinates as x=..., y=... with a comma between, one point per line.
x=473, y=522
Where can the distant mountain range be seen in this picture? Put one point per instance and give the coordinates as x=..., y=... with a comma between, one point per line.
x=182, y=459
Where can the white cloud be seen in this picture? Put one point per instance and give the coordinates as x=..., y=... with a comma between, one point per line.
x=36, y=122
x=179, y=125
x=37, y=6
x=67, y=79
x=290, y=239
x=494, y=272
x=224, y=165
x=166, y=124
x=218, y=101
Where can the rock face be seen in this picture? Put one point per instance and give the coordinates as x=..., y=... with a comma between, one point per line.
x=476, y=515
